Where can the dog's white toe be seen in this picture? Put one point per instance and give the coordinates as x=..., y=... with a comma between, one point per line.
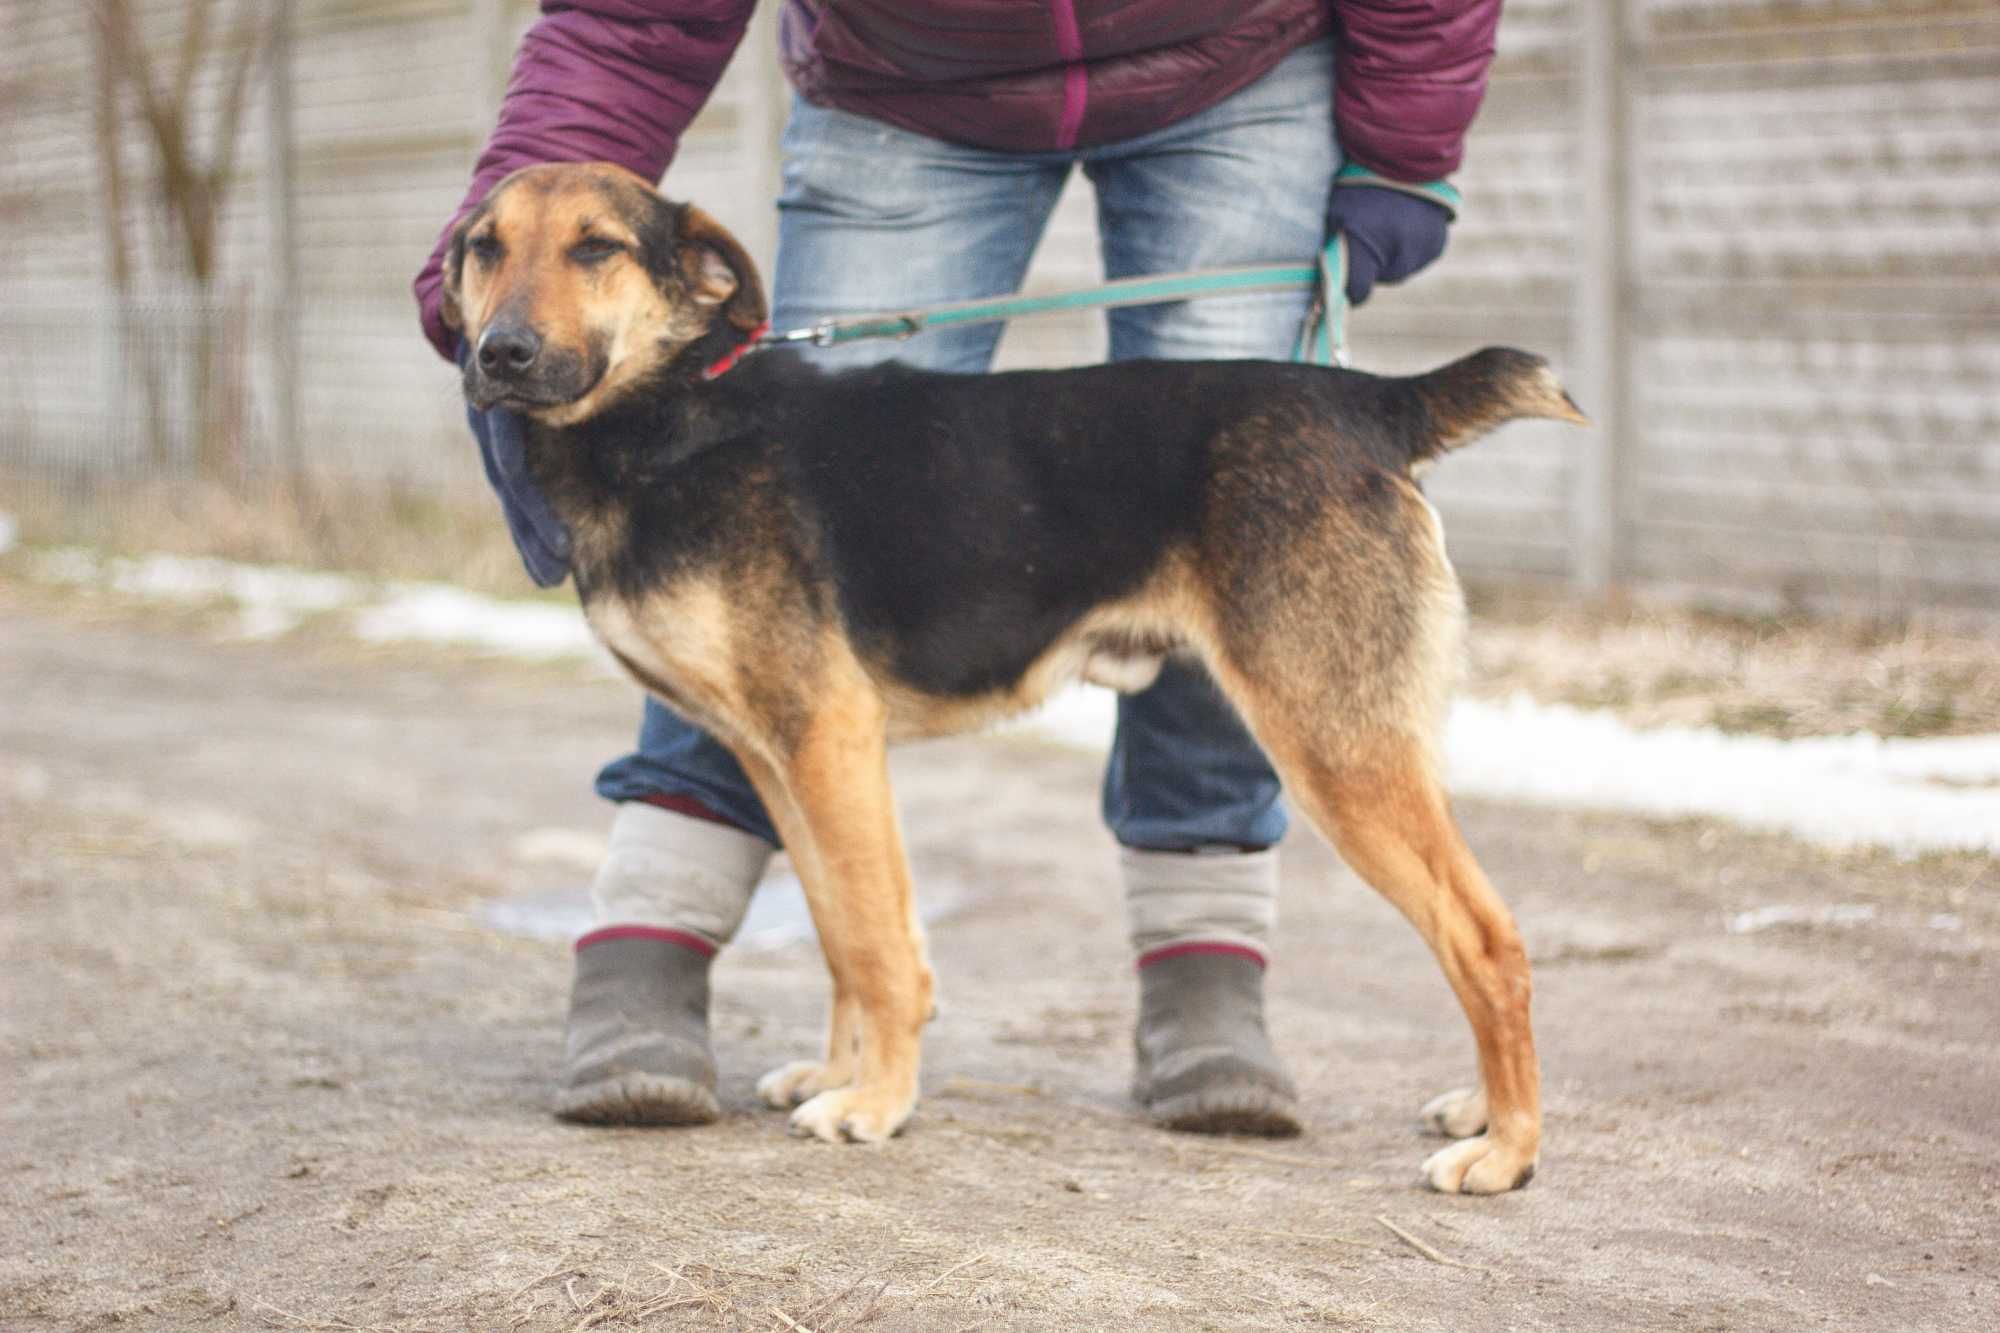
x=792, y=1083
x=1458, y=1114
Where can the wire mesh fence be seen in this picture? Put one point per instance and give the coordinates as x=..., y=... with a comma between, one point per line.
x=117, y=391
x=1773, y=274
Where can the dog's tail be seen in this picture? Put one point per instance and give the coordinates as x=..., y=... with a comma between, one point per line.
x=1464, y=400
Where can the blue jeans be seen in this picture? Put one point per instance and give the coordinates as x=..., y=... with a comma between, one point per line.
x=872, y=217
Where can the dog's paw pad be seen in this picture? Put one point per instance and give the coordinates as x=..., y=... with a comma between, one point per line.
x=790, y=1084
x=1478, y=1166
x=1458, y=1114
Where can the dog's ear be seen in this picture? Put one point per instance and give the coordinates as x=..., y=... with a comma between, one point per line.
x=449, y=311
x=718, y=271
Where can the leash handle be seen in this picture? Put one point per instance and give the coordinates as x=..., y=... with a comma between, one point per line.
x=1323, y=337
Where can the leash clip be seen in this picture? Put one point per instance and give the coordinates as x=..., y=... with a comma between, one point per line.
x=819, y=335
x=834, y=332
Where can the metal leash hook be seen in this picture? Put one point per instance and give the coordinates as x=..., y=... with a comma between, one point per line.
x=834, y=332
x=819, y=335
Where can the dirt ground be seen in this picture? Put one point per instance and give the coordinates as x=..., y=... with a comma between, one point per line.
x=264, y=1069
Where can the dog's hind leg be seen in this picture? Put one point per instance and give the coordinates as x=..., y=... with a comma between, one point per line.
x=1332, y=621
x=832, y=805
x=1385, y=811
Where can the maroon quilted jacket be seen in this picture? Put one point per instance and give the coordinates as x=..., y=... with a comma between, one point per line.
x=619, y=80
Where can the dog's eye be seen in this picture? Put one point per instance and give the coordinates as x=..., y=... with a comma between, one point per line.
x=594, y=250
x=485, y=247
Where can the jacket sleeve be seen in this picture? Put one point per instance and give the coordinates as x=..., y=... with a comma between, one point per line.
x=597, y=81
x=1409, y=78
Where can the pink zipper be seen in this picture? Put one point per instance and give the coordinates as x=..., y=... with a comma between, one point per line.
x=1076, y=84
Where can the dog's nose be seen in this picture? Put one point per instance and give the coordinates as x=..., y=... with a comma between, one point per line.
x=508, y=349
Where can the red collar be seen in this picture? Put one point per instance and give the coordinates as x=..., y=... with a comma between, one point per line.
x=735, y=354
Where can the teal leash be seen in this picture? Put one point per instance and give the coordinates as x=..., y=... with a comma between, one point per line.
x=1322, y=338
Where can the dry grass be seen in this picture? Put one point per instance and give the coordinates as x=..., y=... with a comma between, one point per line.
x=1779, y=676
x=1654, y=665
x=380, y=530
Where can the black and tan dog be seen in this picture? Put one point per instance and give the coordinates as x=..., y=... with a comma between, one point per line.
x=813, y=565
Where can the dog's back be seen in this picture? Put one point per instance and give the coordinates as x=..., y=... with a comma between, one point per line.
x=963, y=523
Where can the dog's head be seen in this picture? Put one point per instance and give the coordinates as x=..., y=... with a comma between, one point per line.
x=573, y=281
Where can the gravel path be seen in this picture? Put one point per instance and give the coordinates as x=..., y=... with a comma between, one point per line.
x=264, y=1068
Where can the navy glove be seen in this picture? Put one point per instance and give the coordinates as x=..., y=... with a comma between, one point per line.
x=1391, y=233
x=538, y=534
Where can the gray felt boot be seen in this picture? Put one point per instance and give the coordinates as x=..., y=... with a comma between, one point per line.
x=637, y=1046
x=1205, y=1064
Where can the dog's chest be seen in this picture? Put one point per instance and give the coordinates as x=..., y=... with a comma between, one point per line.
x=675, y=643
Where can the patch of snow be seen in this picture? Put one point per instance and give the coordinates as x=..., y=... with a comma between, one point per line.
x=265, y=622
x=22, y=780
x=1963, y=759
x=269, y=589
x=571, y=848
x=441, y=614
x=66, y=564
x=271, y=600
x=1835, y=791
x=10, y=532
x=778, y=915
x=559, y=914
x=1838, y=791
x=1081, y=718
x=204, y=827
x=1910, y=796
x=1764, y=918
x=1946, y=921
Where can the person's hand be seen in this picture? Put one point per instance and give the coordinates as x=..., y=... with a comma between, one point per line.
x=539, y=535
x=1391, y=233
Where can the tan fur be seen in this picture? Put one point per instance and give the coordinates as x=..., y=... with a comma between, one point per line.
x=1342, y=670
x=614, y=309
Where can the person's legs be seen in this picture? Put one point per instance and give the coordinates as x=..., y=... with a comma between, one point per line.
x=870, y=218
x=1187, y=792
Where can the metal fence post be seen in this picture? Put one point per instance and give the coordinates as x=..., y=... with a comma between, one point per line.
x=761, y=125
x=280, y=307
x=493, y=61
x=1600, y=347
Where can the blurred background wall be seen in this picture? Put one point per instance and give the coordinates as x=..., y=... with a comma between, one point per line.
x=1760, y=237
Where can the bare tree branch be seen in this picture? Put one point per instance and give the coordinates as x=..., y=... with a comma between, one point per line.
x=132, y=61
x=251, y=36
x=192, y=185
x=110, y=161
x=194, y=45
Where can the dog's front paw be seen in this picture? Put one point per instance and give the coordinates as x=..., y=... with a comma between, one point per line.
x=1458, y=1114
x=790, y=1084
x=1478, y=1166
x=853, y=1115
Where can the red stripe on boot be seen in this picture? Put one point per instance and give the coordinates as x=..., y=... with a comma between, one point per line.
x=1166, y=951
x=687, y=939
x=692, y=808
